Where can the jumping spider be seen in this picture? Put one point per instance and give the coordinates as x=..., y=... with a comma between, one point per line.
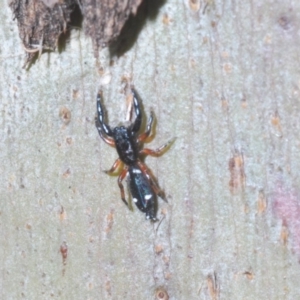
x=127, y=141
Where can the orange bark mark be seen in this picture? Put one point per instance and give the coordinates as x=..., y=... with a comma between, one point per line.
x=237, y=173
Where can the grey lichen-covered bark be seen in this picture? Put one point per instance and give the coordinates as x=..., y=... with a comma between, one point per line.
x=223, y=77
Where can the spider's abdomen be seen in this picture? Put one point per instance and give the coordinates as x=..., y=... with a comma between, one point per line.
x=142, y=193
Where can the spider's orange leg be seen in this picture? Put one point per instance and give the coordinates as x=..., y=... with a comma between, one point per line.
x=115, y=166
x=159, y=151
x=152, y=181
x=120, y=179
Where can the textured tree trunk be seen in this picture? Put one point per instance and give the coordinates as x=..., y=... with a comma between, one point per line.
x=221, y=76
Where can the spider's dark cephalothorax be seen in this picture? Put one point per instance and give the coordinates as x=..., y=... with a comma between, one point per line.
x=127, y=140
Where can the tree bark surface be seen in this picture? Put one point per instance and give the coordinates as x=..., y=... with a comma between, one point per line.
x=223, y=78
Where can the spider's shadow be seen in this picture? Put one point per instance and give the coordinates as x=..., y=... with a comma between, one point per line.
x=148, y=9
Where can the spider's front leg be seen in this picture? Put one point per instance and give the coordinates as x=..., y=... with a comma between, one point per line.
x=142, y=137
x=104, y=130
x=135, y=127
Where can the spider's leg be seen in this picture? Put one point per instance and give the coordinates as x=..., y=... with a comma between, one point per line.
x=115, y=166
x=107, y=139
x=120, y=179
x=159, y=151
x=142, y=137
x=152, y=181
x=136, y=125
x=104, y=130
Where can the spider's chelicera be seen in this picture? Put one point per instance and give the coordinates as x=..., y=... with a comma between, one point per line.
x=127, y=141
